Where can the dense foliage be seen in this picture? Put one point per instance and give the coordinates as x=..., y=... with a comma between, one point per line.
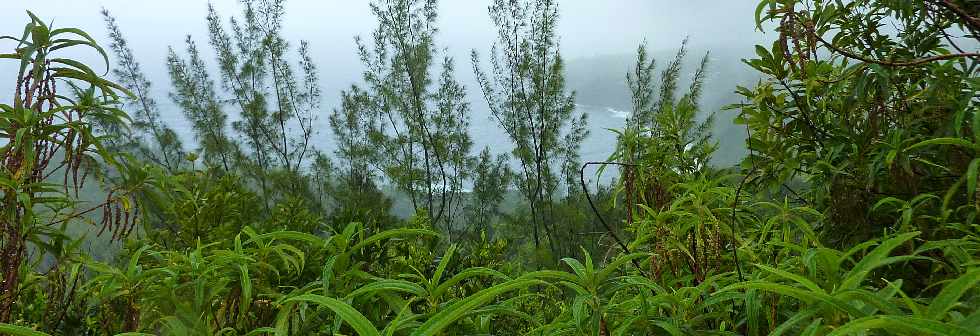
x=854, y=213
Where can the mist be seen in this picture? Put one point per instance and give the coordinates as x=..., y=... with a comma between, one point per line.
x=598, y=42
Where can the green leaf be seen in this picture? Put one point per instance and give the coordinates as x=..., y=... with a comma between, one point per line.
x=392, y=234
x=617, y=263
x=83, y=34
x=971, y=178
x=670, y=328
x=327, y=274
x=951, y=294
x=758, y=14
x=943, y=141
x=246, y=284
x=445, y=317
x=466, y=274
x=874, y=259
x=976, y=126
x=874, y=302
x=260, y=331
x=15, y=330
x=901, y=324
x=803, y=295
x=437, y=276
x=286, y=235
x=578, y=268
x=131, y=267
x=799, y=279
x=800, y=316
x=73, y=63
x=389, y=285
x=404, y=316
x=350, y=315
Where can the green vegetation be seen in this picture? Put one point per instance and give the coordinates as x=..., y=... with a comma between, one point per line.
x=853, y=214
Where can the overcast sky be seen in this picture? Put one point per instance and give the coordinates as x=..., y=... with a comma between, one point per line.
x=587, y=28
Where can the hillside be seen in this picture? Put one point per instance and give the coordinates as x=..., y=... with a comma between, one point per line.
x=600, y=81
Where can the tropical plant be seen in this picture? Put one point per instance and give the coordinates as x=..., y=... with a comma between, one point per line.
x=853, y=214
x=45, y=133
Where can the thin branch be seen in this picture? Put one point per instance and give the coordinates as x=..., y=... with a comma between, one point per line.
x=914, y=62
x=804, y=112
x=795, y=194
x=738, y=193
x=971, y=21
x=74, y=215
x=585, y=190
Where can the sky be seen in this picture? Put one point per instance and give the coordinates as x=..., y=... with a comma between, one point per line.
x=587, y=29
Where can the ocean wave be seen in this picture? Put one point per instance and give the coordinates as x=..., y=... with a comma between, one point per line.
x=618, y=113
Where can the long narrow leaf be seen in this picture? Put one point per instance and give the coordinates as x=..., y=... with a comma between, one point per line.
x=350, y=315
